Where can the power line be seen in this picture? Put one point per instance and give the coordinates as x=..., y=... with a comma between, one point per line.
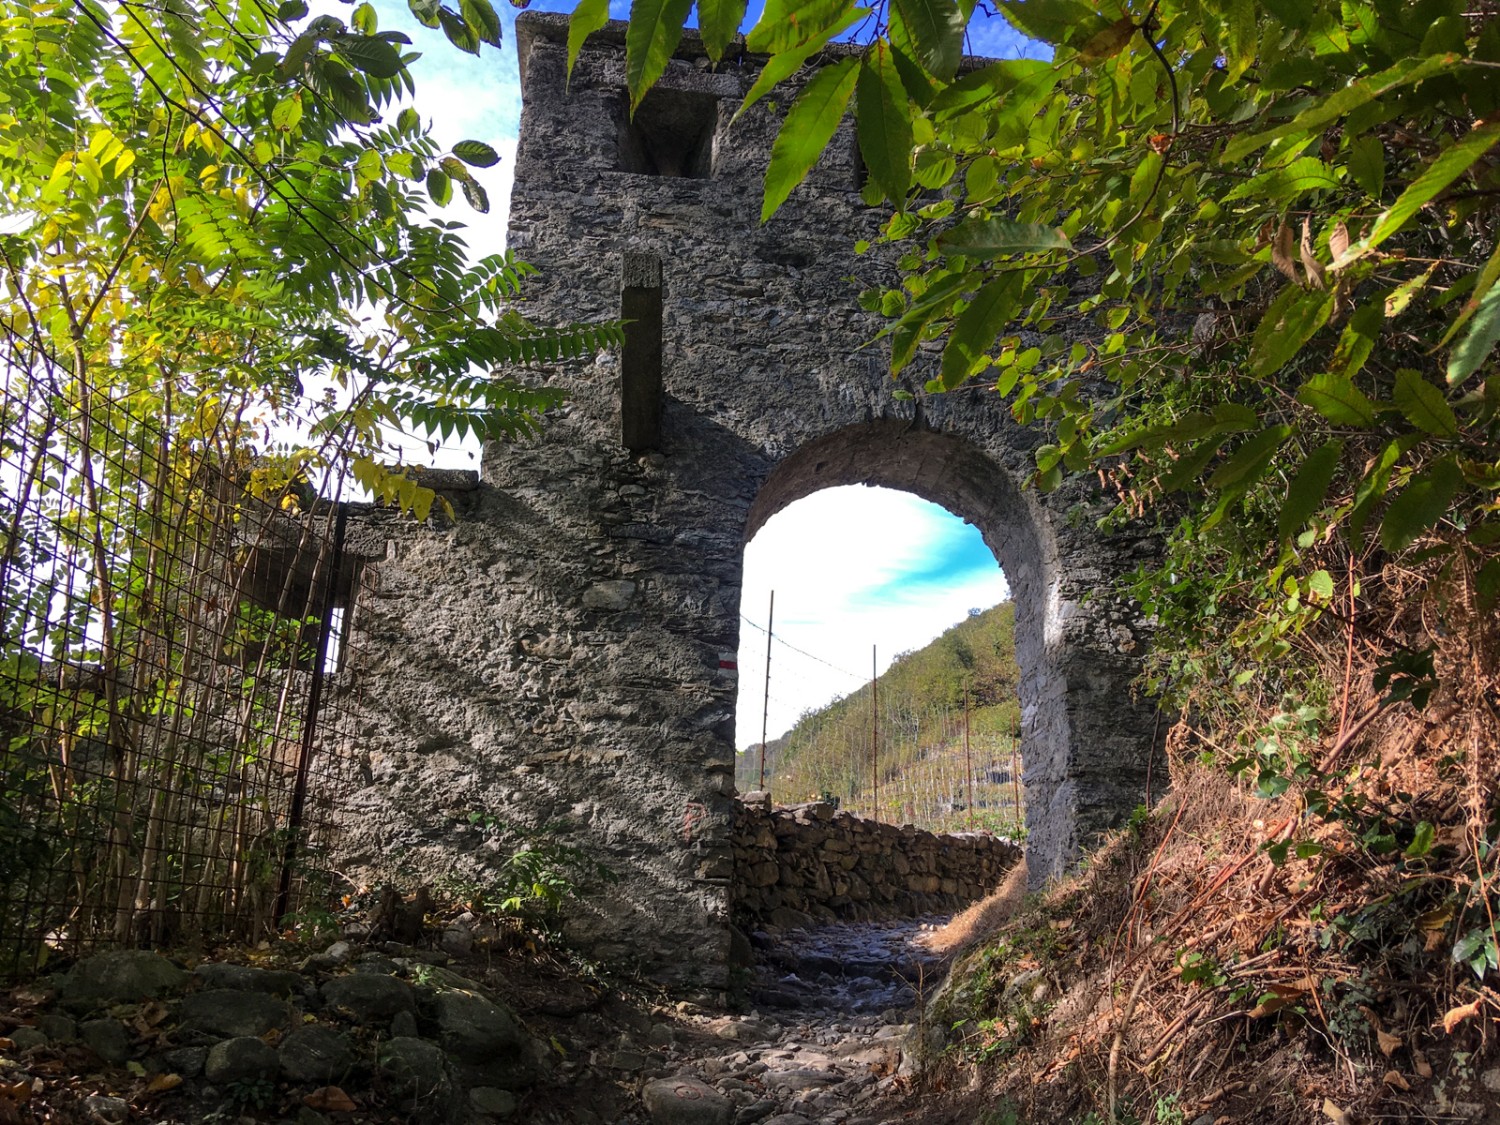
x=801, y=652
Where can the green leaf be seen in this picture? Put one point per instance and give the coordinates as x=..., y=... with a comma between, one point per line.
x=454, y=169
x=588, y=17
x=439, y=187
x=1479, y=340
x=1372, y=486
x=1288, y=324
x=787, y=61
x=476, y=195
x=1187, y=470
x=719, y=23
x=289, y=10
x=1241, y=37
x=482, y=17
x=425, y=11
x=1320, y=582
x=1328, y=109
x=1423, y=405
x=364, y=20
x=1335, y=396
x=809, y=126
x=1422, y=840
x=1367, y=164
x=1282, y=185
x=408, y=120
x=1421, y=504
x=936, y=31
x=1309, y=488
x=1107, y=42
x=1358, y=338
x=975, y=331
x=652, y=35
x=1052, y=21
x=287, y=113
x=991, y=238
x=476, y=154
x=1452, y=163
x=884, y=129
x=374, y=57
x=1246, y=464
x=459, y=31
x=1005, y=82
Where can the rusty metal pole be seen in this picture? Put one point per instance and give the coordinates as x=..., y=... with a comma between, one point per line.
x=310, y=725
x=968, y=758
x=765, y=706
x=874, y=738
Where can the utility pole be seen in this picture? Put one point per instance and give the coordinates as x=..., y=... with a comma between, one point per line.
x=968, y=758
x=874, y=737
x=765, y=706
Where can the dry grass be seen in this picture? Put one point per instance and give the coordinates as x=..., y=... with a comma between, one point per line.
x=1183, y=971
x=981, y=920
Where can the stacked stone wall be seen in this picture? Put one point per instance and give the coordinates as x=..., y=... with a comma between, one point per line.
x=798, y=865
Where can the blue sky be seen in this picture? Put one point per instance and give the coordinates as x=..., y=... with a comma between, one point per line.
x=851, y=567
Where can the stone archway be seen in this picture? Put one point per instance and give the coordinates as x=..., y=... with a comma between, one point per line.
x=1082, y=732
x=562, y=654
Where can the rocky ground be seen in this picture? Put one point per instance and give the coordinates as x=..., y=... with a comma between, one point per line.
x=391, y=1033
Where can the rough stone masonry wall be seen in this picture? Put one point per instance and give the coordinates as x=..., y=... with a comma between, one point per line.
x=560, y=657
x=808, y=863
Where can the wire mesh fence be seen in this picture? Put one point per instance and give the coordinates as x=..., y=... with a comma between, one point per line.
x=166, y=650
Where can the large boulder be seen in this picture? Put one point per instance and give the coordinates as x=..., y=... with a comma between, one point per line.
x=475, y=1030
x=685, y=1101
x=316, y=1056
x=415, y=1074
x=368, y=998
x=241, y=1059
x=228, y=1012
x=121, y=976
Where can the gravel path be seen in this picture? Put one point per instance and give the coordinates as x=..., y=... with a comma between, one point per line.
x=824, y=1040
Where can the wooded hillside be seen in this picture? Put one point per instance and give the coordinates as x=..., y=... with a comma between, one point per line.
x=919, y=713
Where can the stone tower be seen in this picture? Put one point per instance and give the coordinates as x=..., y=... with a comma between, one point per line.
x=562, y=654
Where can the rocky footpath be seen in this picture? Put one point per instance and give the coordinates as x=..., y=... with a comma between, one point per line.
x=391, y=1033
x=800, y=865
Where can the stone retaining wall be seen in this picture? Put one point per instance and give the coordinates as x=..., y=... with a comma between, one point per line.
x=809, y=863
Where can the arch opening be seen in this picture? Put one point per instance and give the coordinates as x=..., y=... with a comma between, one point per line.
x=952, y=473
x=865, y=584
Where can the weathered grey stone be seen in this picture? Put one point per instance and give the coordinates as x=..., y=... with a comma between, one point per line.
x=367, y=997
x=416, y=1074
x=335, y=955
x=685, y=1101
x=241, y=1059
x=28, y=1039
x=107, y=1109
x=186, y=1061
x=473, y=1029
x=579, y=621
x=317, y=1056
x=58, y=1027
x=490, y=1104
x=107, y=1038
x=247, y=978
x=624, y=1059
x=122, y=976
x=404, y=1025
x=230, y=1012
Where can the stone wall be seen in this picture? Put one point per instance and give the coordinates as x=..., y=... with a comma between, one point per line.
x=798, y=865
x=561, y=656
